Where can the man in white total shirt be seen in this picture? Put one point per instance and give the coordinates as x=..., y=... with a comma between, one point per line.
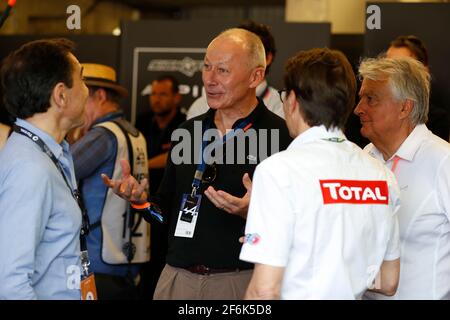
x=268, y=94
x=393, y=110
x=322, y=219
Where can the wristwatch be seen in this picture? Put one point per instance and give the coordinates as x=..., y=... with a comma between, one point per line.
x=150, y=208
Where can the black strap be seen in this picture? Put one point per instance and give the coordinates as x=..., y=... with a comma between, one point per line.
x=129, y=145
x=95, y=225
x=243, y=125
x=129, y=210
x=75, y=194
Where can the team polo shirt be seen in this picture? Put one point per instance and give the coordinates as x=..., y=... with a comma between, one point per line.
x=326, y=212
x=423, y=175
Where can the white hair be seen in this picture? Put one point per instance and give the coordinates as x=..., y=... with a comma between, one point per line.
x=408, y=79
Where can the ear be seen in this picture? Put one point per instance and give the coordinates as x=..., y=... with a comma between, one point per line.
x=256, y=77
x=269, y=59
x=100, y=95
x=59, y=96
x=293, y=112
x=291, y=105
x=406, y=108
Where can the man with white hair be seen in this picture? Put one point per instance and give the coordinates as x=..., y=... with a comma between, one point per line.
x=393, y=110
x=206, y=220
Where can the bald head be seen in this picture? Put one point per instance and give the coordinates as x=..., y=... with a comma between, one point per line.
x=251, y=43
x=234, y=66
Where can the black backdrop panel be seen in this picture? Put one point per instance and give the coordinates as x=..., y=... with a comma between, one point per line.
x=97, y=49
x=154, y=47
x=89, y=48
x=431, y=23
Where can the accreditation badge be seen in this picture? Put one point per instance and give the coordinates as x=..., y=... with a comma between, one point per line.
x=88, y=288
x=187, y=217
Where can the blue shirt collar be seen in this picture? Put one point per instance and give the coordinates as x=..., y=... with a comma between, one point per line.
x=109, y=116
x=55, y=148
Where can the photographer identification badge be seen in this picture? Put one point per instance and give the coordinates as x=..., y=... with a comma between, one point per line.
x=187, y=217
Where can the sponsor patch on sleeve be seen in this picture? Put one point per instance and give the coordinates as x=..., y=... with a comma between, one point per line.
x=252, y=238
x=355, y=191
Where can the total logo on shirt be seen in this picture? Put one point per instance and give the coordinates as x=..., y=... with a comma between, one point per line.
x=354, y=191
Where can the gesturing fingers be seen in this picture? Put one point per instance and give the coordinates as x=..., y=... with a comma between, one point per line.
x=125, y=189
x=212, y=196
x=107, y=181
x=138, y=192
x=224, y=200
x=126, y=169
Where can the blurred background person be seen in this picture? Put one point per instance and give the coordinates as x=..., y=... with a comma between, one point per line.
x=119, y=239
x=411, y=46
x=158, y=124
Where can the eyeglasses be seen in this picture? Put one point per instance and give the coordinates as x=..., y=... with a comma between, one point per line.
x=283, y=95
x=210, y=173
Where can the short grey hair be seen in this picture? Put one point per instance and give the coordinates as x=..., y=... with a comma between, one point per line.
x=407, y=78
x=251, y=42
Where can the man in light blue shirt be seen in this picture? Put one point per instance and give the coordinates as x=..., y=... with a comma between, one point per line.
x=40, y=218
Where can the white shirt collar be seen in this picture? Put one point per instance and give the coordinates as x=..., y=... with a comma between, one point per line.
x=316, y=133
x=408, y=148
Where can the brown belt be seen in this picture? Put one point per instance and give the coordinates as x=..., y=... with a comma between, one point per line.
x=204, y=270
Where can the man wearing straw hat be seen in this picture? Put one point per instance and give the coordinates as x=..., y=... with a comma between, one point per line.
x=118, y=242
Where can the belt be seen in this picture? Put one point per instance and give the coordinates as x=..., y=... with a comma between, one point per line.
x=204, y=270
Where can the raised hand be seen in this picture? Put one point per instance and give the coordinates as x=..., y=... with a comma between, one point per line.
x=229, y=203
x=128, y=187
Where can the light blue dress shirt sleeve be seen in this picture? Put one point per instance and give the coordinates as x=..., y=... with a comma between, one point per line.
x=39, y=221
x=22, y=224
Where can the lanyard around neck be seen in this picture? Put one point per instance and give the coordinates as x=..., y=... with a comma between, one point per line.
x=75, y=194
x=243, y=125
